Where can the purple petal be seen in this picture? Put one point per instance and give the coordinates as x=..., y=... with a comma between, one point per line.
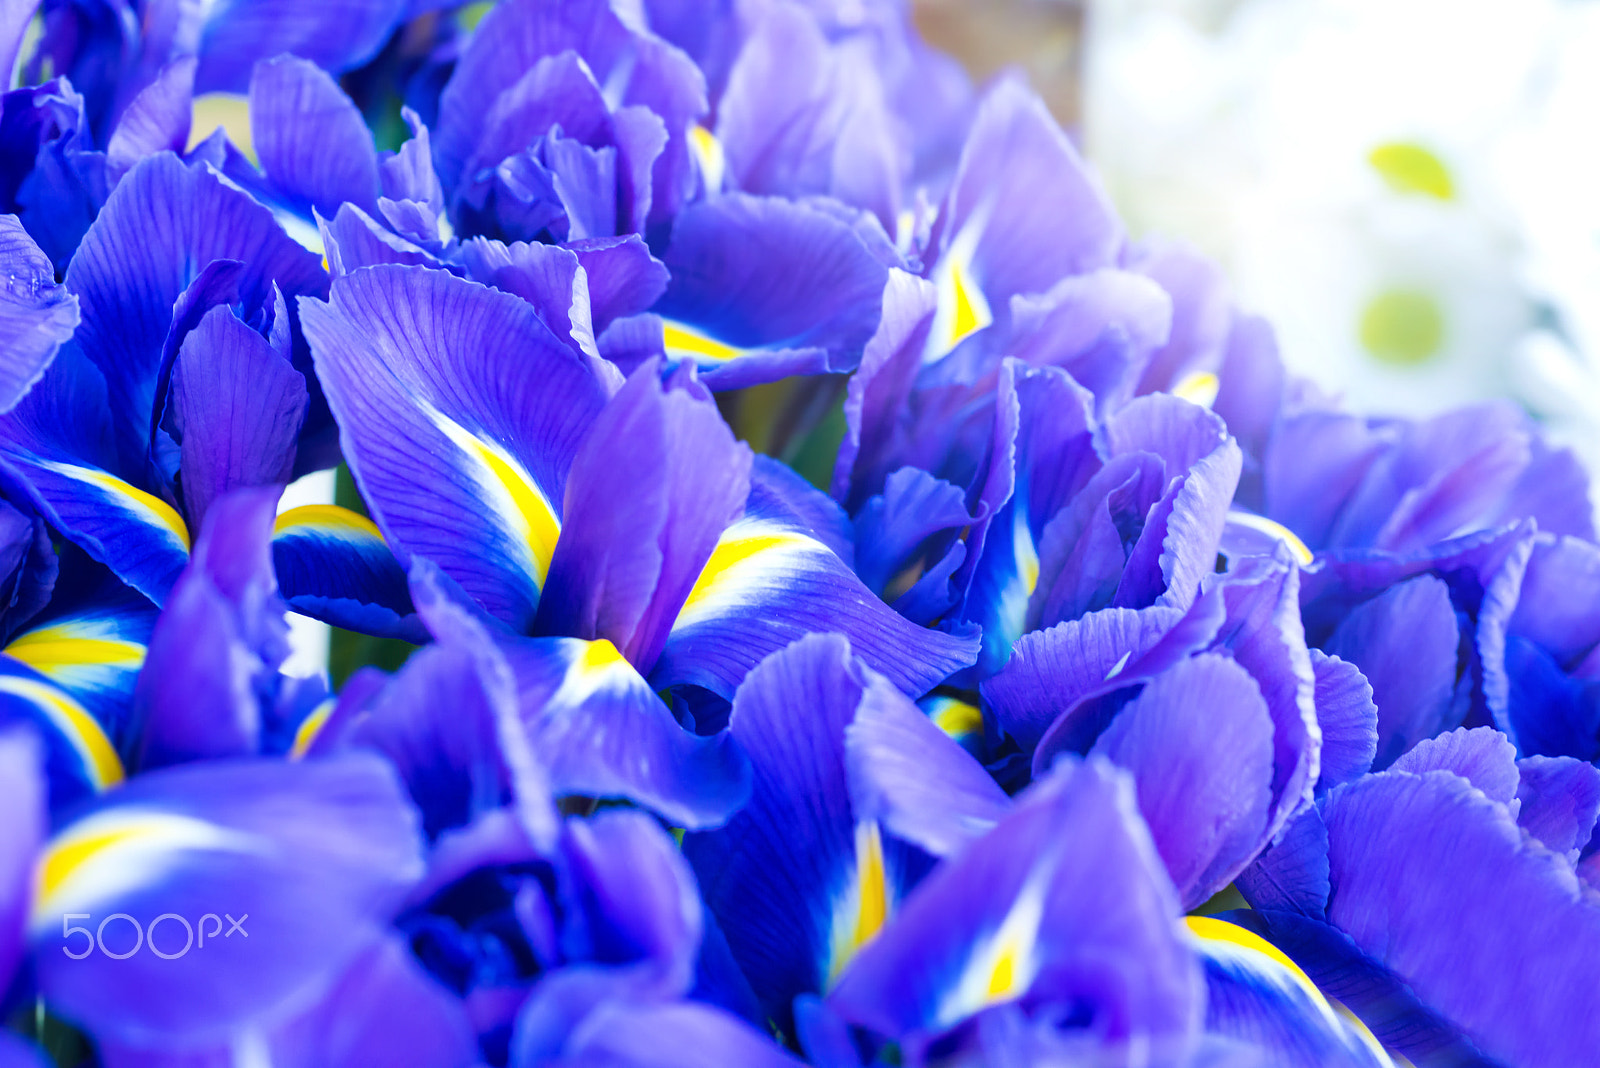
x=771, y=581
x=310, y=857
x=658, y=479
x=1021, y=241
x=1483, y=756
x=1558, y=605
x=240, y=404
x=1315, y=463
x=1404, y=641
x=1255, y=996
x=669, y=1035
x=335, y=34
x=332, y=564
x=1560, y=799
x=546, y=276
x=766, y=287
x=624, y=278
x=801, y=118
x=1100, y=327
x=892, y=527
x=1178, y=545
x=1347, y=717
x=1251, y=387
x=459, y=414
x=218, y=643
x=1264, y=634
x=1207, y=824
x=312, y=143
x=1202, y=314
x=878, y=390
x=790, y=876
x=1025, y=914
x=355, y=239
x=36, y=315
x=1292, y=874
x=915, y=780
x=384, y=1009
x=603, y=732
x=1467, y=919
x=161, y=226
x=1083, y=550
x=1051, y=669
x=157, y=120
x=636, y=67
x=24, y=833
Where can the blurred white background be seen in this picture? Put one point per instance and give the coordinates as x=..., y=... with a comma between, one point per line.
x=1409, y=189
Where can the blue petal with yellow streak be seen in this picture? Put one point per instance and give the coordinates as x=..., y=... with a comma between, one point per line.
x=333, y=564
x=798, y=882
x=55, y=452
x=771, y=580
x=310, y=857
x=765, y=287
x=601, y=731
x=459, y=415
x=94, y=652
x=1257, y=995
x=80, y=760
x=1078, y=928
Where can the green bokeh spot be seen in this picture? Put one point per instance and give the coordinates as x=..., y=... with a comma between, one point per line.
x=1402, y=327
x=1410, y=168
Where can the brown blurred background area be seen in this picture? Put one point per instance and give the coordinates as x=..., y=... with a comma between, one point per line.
x=1041, y=37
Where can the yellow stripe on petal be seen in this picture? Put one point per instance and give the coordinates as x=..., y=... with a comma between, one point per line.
x=81, y=730
x=75, y=644
x=116, y=851
x=1235, y=946
x=325, y=519
x=597, y=666
x=963, y=309
x=751, y=555
x=708, y=154
x=1003, y=966
x=864, y=905
x=1211, y=930
x=147, y=508
x=306, y=734
x=684, y=342
x=1263, y=525
x=512, y=491
x=1198, y=387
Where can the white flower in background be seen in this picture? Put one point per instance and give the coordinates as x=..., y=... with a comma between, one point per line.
x=1409, y=189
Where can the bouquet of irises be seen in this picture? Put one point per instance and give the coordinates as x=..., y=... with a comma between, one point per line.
x=806, y=587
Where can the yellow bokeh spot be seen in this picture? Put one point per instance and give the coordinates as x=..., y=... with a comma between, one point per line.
x=1404, y=327
x=957, y=718
x=1410, y=168
x=469, y=17
x=231, y=112
x=1199, y=387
